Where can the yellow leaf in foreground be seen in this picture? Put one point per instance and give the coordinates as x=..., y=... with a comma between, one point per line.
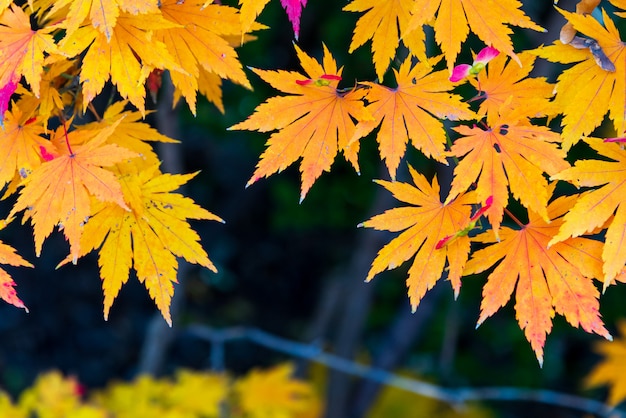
x=147, y=238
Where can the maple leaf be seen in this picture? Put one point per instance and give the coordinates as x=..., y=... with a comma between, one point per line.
x=510, y=154
x=585, y=93
x=198, y=41
x=274, y=393
x=22, y=50
x=7, y=285
x=383, y=23
x=413, y=110
x=20, y=144
x=127, y=58
x=595, y=207
x=314, y=121
x=423, y=223
x=546, y=280
x=610, y=371
x=58, y=192
x=505, y=83
x=130, y=133
x=147, y=238
x=103, y=14
x=453, y=19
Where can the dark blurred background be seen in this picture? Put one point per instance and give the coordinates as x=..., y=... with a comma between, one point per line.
x=295, y=270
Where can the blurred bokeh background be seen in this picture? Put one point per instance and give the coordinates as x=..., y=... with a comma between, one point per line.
x=295, y=270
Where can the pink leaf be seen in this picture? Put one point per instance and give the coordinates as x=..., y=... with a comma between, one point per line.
x=294, y=11
x=5, y=96
x=460, y=72
x=486, y=54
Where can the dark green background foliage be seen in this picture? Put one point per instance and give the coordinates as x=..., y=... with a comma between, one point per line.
x=278, y=260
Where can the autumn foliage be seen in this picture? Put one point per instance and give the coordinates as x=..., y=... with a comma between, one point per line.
x=509, y=140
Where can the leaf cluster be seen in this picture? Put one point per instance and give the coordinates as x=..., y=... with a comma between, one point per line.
x=502, y=145
x=260, y=393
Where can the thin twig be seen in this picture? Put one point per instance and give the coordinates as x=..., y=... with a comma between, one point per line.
x=453, y=396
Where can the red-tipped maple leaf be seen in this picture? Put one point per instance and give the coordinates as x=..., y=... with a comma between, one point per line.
x=7, y=285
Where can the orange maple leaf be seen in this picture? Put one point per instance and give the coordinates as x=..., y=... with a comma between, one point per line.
x=198, y=42
x=127, y=58
x=314, y=122
x=504, y=83
x=509, y=154
x=424, y=224
x=147, y=238
x=585, y=93
x=22, y=49
x=546, y=280
x=20, y=144
x=453, y=19
x=383, y=23
x=413, y=110
x=610, y=371
x=7, y=285
x=595, y=207
x=58, y=192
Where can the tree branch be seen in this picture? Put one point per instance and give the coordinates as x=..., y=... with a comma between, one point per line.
x=453, y=396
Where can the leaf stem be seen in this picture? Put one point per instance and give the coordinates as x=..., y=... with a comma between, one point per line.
x=67, y=140
x=517, y=221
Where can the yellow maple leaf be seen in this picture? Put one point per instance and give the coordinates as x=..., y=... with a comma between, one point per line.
x=198, y=41
x=424, y=224
x=610, y=371
x=274, y=393
x=382, y=23
x=131, y=133
x=509, y=154
x=147, y=238
x=23, y=49
x=314, y=122
x=598, y=206
x=127, y=58
x=413, y=110
x=453, y=19
x=102, y=14
x=585, y=93
x=546, y=280
x=58, y=192
x=249, y=11
x=20, y=142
